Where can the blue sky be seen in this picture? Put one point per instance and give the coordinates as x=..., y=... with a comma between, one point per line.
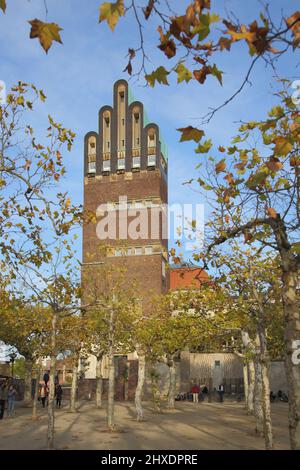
x=77, y=79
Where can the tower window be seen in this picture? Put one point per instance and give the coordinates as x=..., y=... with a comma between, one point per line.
x=136, y=117
x=148, y=250
x=123, y=122
x=107, y=121
x=108, y=144
x=139, y=250
x=137, y=141
x=123, y=143
x=122, y=96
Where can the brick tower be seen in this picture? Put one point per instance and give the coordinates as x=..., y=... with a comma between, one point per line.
x=125, y=180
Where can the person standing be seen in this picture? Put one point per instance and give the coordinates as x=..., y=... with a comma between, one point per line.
x=3, y=398
x=46, y=377
x=43, y=395
x=11, y=397
x=221, y=391
x=58, y=394
x=195, y=392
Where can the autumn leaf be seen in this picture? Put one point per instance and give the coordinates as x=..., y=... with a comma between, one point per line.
x=148, y=9
x=220, y=166
x=111, y=12
x=45, y=32
x=159, y=75
x=282, y=146
x=68, y=202
x=293, y=22
x=274, y=164
x=224, y=43
x=271, y=212
x=190, y=133
x=183, y=74
x=3, y=5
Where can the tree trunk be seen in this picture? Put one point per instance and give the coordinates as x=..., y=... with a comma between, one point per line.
x=172, y=384
x=290, y=264
x=111, y=375
x=258, y=407
x=246, y=384
x=36, y=391
x=51, y=415
x=74, y=388
x=268, y=431
x=292, y=346
x=250, y=401
x=28, y=381
x=99, y=382
x=140, y=387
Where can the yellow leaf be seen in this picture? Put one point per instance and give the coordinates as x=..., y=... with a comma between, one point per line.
x=220, y=166
x=45, y=32
x=3, y=5
x=111, y=12
x=68, y=202
x=282, y=146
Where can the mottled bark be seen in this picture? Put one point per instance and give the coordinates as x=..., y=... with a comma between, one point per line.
x=258, y=406
x=36, y=391
x=51, y=399
x=74, y=388
x=111, y=375
x=172, y=381
x=99, y=381
x=250, y=401
x=140, y=387
x=28, y=381
x=246, y=384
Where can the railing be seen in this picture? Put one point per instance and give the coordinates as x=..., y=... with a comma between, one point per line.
x=151, y=150
x=136, y=152
x=106, y=155
x=136, y=162
x=151, y=160
x=121, y=163
x=92, y=167
x=106, y=165
x=121, y=154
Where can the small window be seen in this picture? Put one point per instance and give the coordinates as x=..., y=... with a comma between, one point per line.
x=129, y=251
x=118, y=252
x=92, y=145
x=148, y=203
x=137, y=141
x=163, y=269
x=148, y=250
x=92, y=167
x=136, y=117
x=108, y=144
x=217, y=363
x=138, y=204
x=107, y=121
x=123, y=122
x=138, y=250
x=151, y=160
x=123, y=143
x=122, y=96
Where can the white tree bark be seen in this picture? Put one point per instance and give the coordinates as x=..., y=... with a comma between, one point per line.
x=140, y=387
x=250, y=401
x=99, y=381
x=51, y=414
x=246, y=384
x=111, y=375
x=74, y=387
x=36, y=391
x=258, y=406
x=172, y=383
x=28, y=381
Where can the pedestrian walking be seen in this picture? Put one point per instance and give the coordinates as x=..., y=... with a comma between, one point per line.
x=195, y=392
x=58, y=395
x=3, y=397
x=11, y=398
x=221, y=391
x=43, y=394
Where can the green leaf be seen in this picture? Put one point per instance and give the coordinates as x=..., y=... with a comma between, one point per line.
x=217, y=73
x=183, y=73
x=191, y=133
x=111, y=13
x=205, y=147
x=159, y=75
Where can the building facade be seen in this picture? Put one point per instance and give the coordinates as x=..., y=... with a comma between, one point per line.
x=125, y=185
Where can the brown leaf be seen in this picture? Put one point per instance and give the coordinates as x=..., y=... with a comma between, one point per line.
x=45, y=32
x=220, y=166
x=293, y=22
x=271, y=212
x=274, y=164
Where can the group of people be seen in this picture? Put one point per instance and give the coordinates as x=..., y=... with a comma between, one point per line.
x=199, y=393
x=7, y=398
x=43, y=391
x=280, y=396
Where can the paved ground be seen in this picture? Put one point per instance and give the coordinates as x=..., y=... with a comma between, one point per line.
x=190, y=426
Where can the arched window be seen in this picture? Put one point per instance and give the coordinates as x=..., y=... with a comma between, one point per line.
x=151, y=138
x=92, y=151
x=106, y=144
x=121, y=121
